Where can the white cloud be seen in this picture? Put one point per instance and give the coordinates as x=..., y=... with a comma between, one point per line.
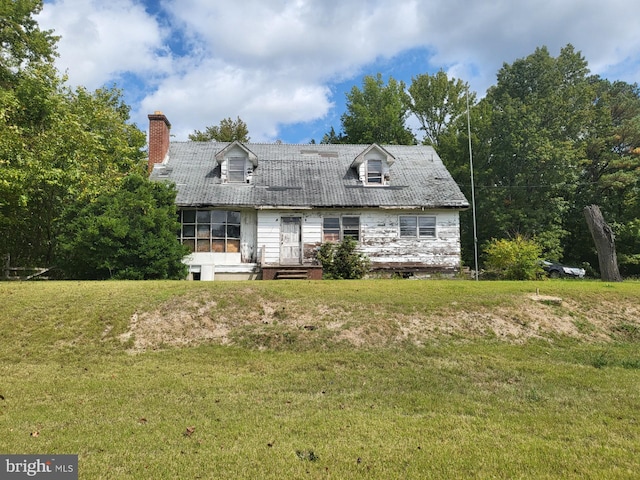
x=102, y=40
x=320, y=38
x=486, y=35
x=203, y=96
x=274, y=62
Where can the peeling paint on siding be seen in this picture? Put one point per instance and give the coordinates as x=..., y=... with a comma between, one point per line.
x=380, y=238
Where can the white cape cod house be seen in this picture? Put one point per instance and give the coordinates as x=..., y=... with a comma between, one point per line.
x=261, y=210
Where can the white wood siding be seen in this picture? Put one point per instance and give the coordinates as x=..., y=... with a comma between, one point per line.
x=379, y=236
x=312, y=228
x=382, y=243
x=268, y=236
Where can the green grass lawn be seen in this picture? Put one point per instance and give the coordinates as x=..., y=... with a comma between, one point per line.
x=286, y=396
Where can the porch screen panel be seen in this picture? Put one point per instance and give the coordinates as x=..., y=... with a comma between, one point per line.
x=219, y=231
x=188, y=230
x=203, y=219
x=233, y=232
x=210, y=230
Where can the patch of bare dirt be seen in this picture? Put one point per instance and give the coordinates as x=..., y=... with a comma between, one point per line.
x=189, y=322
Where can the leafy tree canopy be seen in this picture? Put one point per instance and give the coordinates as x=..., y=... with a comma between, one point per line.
x=549, y=139
x=377, y=113
x=527, y=147
x=228, y=131
x=610, y=172
x=437, y=101
x=58, y=145
x=332, y=137
x=22, y=43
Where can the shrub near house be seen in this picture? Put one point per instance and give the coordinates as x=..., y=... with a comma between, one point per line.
x=515, y=259
x=342, y=261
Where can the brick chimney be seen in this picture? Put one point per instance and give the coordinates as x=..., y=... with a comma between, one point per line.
x=159, y=128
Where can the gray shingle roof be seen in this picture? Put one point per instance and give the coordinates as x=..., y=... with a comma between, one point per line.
x=309, y=176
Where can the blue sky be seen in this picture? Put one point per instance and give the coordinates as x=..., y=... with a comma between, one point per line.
x=284, y=66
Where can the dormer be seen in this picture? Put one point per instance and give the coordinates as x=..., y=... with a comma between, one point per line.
x=373, y=166
x=237, y=163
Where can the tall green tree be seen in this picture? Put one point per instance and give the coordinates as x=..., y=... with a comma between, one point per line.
x=453, y=148
x=58, y=146
x=129, y=233
x=549, y=139
x=332, y=137
x=228, y=131
x=529, y=141
x=541, y=105
x=610, y=172
x=377, y=113
x=437, y=101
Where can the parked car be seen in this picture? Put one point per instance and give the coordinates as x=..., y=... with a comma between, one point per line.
x=557, y=270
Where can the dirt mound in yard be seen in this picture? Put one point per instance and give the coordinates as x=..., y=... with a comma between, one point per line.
x=286, y=324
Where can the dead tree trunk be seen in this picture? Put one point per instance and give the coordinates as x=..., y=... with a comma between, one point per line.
x=605, y=244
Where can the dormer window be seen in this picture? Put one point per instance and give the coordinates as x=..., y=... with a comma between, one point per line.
x=373, y=166
x=237, y=170
x=237, y=163
x=374, y=171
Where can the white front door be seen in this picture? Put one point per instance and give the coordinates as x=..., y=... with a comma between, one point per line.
x=290, y=240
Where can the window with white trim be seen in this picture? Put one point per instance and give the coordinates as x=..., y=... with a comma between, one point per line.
x=420, y=226
x=335, y=229
x=210, y=230
x=331, y=229
x=236, y=170
x=374, y=171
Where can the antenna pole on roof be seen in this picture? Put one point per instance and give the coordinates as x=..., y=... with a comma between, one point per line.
x=473, y=193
